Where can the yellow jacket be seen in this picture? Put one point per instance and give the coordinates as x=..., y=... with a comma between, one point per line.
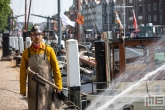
x=51, y=58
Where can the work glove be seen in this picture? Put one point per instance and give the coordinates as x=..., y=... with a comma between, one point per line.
x=61, y=96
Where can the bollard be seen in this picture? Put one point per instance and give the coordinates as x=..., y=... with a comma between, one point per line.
x=13, y=43
x=16, y=44
x=5, y=44
x=5, y=55
x=100, y=65
x=73, y=72
x=21, y=44
x=28, y=42
x=10, y=42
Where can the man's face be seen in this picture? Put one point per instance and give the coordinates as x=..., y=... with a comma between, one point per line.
x=36, y=37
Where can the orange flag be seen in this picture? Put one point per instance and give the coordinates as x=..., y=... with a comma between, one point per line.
x=80, y=19
x=118, y=21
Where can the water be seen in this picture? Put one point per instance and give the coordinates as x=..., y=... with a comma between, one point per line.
x=131, y=87
x=116, y=96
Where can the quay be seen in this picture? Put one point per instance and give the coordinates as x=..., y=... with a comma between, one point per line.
x=10, y=99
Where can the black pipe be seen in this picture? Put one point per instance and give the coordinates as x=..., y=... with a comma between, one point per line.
x=100, y=64
x=5, y=44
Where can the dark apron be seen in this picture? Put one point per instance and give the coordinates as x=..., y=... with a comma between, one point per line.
x=40, y=64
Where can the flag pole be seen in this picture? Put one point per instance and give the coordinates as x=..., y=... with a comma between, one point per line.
x=108, y=15
x=124, y=12
x=124, y=15
x=59, y=25
x=78, y=26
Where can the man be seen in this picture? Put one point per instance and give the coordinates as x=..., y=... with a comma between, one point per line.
x=41, y=59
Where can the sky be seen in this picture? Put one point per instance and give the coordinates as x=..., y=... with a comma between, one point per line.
x=38, y=7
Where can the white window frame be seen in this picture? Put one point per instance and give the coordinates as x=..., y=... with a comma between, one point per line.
x=155, y=17
x=160, y=17
x=154, y=6
x=160, y=7
x=149, y=7
x=130, y=1
x=149, y=18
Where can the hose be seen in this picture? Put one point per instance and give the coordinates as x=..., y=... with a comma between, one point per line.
x=72, y=105
x=147, y=88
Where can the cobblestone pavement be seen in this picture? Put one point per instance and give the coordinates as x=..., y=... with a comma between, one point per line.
x=9, y=87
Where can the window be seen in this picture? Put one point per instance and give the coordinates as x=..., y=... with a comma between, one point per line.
x=93, y=3
x=149, y=7
x=130, y=13
x=103, y=10
x=110, y=19
x=154, y=6
x=140, y=9
x=130, y=1
x=155, y=17
x=84, y=6
x=106, y=19
x=149, y=18
x=160, y=7
x=103, y=19
x=160, y=19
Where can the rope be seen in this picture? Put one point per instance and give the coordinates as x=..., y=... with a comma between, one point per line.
x=43, y=9
x=20, y=7
x=93, y=18
x=72, y=105
x=14, y=93
x=54, y=7
x=147, y=88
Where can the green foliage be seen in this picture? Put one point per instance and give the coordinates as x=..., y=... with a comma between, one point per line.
x=5, y=12
x=30, y=26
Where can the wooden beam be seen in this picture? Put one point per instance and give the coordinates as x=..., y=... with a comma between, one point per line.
x=113, y=64
x=122, y=58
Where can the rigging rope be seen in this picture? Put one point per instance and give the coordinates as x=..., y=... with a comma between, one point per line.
x=20, y=7
x=94, y=19
x=33, y=18
x=43, y=9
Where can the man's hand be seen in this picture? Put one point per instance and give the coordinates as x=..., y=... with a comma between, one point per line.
x=59, y=90
x=61, y=96
x=23, y=94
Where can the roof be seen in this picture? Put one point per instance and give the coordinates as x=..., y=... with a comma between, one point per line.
x=129, y=53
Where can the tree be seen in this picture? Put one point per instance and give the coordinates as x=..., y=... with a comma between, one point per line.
x=5, y=13
x=30, y=26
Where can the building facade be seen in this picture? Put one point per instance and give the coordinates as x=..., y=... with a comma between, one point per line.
x=146, y=11
x=96, y=15
x=89, y=12
x=155, y=10
x=139, y=7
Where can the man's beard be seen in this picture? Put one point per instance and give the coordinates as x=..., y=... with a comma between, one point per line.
x=37, y=41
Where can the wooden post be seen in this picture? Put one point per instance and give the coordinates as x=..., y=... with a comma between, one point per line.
x=121, y=57
x=78, y=26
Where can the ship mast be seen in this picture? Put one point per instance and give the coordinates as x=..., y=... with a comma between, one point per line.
x=25, y=25
x=78, y=25
x=59, y=24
